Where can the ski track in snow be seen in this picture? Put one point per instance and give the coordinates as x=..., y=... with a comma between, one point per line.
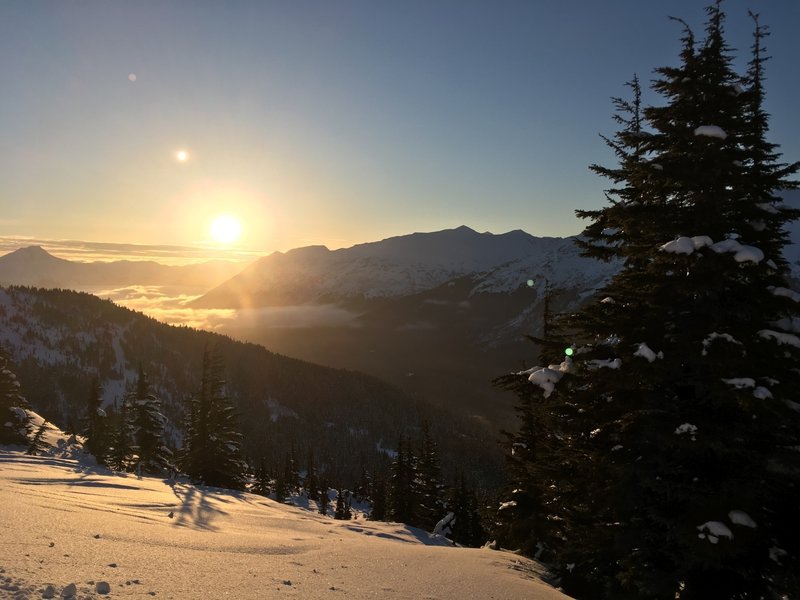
x=67, y=522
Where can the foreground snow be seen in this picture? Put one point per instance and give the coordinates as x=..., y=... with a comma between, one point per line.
x=64, y=522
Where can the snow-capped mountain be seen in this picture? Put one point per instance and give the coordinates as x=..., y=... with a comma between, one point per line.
x=407, y=265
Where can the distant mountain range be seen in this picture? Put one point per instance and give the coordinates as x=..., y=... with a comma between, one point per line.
x=34, y=266
x=407, y=265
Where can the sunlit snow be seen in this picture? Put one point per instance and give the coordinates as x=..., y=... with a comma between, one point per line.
x=65, y=523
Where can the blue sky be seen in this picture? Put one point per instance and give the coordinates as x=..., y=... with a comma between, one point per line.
x=331, y=122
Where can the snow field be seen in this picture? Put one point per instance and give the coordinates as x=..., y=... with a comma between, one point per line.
x=65, y=522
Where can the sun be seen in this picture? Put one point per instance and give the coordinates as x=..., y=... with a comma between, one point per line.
x=225, y=229
x=182, y=155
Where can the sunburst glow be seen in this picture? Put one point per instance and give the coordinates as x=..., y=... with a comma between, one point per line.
x=182, y=155
x=225, y=229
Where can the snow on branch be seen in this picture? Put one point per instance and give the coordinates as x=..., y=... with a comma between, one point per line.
x=645, y=352
x=713, y=530
x=713, y=131
x=719, y=336
x=787, y=339
x=608, y=363
x=547, y=377
x=688, y=245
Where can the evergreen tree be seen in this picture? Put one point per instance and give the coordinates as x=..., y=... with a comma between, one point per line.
x=148, y=428
x=428, y=487
x=94, y=429
x=212, y=441
x=378, y=500
x=401, y=489
x=119, y=453
x=38, y=444
x=362, y=491
x=660, y=463
x=466, y=527
x=14, y=421
x=262, y=482
x=324, y=499
x=343, y=512
x=311, y=482
x=281, y=481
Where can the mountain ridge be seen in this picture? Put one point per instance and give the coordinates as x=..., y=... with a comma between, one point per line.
x=35, y=266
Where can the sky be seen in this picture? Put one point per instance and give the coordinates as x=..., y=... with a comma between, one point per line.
x=331, y=122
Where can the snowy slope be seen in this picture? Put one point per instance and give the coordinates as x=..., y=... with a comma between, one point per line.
x=64, y=522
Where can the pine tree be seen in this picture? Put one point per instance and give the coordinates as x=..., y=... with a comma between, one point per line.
x=262, y=482
x=282, y=481
x=38, y=444
x=429, y=489
x=659, y=464
x=466, y=527
x=378, y=500
x=148, y=428
x=401, y=488
x=14, y=421
x=120, y=453
x=311, y=482
x=343, y=512
x=324, y=499
x=212, y=440
x=94, y=429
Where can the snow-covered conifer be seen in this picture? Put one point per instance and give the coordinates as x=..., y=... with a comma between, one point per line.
x=14, y=426
x=651, y=435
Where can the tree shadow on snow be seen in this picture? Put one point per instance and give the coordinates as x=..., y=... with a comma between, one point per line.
x=199, y=506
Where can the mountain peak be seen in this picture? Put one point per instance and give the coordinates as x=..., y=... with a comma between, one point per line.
x=30, y=255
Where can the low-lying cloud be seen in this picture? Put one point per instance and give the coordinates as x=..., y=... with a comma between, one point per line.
x=169, y=305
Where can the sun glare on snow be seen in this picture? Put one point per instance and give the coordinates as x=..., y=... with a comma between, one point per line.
x=225, y=229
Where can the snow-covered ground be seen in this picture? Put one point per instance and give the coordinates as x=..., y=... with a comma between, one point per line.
x=63, y=521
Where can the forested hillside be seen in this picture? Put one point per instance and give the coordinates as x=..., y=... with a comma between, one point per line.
x=60, y=340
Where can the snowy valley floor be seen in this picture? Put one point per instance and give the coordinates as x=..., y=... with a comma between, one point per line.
x=62, y=522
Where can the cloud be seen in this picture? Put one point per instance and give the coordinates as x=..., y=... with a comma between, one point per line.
x=106, y=251
x=169, y=305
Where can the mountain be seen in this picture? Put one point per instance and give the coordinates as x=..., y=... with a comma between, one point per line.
x=59, y=340
x=404, y=266
x=34, y=266
x=439, y=314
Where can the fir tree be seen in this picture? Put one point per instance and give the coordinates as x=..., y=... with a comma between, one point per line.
x=262, y=482
x=212, y=441
x=38, y=444
x=311, y=482
x=282, y=487
x=401, y=489
x=120, y=453
x=324, y=499
x=466, y=527
x=659, y=464
x=14, y=421
x=95, y=422
x=148, y=428
x=378, y=500
x=343, y=512
x=428, y=488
